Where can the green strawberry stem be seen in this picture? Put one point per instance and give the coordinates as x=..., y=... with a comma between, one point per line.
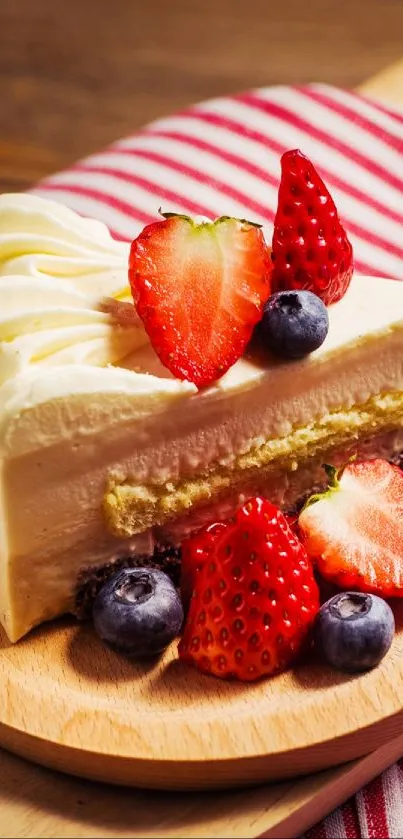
x=210, y=221
x=175, y=215
x=333, y=475
x=242, y=220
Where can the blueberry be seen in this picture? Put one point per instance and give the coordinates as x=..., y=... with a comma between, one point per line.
x=354, y=631
x=138, y=611
x=294, y=323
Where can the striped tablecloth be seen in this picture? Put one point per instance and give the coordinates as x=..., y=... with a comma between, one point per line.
x=222, y=157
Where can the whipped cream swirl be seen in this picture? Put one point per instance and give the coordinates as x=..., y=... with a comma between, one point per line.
x=43, y=238
x=56, y=272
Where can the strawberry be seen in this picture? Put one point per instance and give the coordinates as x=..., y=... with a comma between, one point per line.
x=195, y=553
x=310, y=246
x=255, y=599
x=292, y=521
x=354, y=531
x=199, y=290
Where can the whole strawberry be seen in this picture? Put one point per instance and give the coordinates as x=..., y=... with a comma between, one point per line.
x=254, y=600
x=354, y=531
x=195, y=552
x=199, y=290
x=310, y=246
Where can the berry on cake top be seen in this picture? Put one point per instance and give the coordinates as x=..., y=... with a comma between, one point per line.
x=201, y=288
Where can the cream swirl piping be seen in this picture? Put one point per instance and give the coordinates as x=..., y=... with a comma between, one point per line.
x=56, y=269
x=43, y=238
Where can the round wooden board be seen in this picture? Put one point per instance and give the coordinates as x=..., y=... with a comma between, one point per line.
x=70, y=703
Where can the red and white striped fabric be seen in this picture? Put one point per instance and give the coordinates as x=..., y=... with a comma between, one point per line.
x=376, y=812
x=222, y=157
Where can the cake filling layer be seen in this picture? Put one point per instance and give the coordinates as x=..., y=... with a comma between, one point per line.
x=131, y=508
x=42, y=584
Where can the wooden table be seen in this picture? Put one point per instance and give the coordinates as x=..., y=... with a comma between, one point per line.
x=77, y=74
x=73, y=85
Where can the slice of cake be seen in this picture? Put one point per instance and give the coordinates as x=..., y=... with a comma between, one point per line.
x=106, y=453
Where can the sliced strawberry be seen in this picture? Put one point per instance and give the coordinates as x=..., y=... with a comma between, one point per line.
x=199, y=290
x=310, y=246
x=354, y=531
x=254, y=600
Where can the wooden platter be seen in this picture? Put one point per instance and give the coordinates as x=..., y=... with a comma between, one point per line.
x=69, y=702
x=37, y=802
x=84, y=710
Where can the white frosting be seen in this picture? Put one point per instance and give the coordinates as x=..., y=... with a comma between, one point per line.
x=56, y=269
x=43, y=238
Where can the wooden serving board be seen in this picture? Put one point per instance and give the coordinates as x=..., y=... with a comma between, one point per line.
x=70, y=703
x=84, y=710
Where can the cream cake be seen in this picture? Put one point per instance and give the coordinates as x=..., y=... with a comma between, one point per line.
x=105, y=454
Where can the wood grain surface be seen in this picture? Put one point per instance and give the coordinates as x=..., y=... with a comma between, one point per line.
x=35, y=802
x=70, y=703
x=77, y=75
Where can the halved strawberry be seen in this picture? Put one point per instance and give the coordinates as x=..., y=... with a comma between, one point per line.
x=199, y=290
x=310, y=246
x=254, y=600
x=354, y=531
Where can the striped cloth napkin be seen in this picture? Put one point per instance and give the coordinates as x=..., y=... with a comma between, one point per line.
x=223, y=157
